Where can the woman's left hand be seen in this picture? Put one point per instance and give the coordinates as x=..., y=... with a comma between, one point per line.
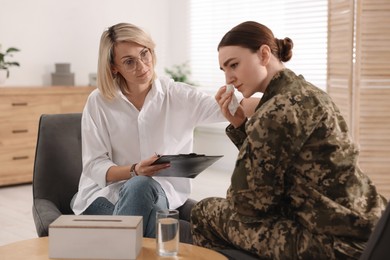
x=147, y=168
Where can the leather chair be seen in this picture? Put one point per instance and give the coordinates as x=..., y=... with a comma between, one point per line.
x=57, y=170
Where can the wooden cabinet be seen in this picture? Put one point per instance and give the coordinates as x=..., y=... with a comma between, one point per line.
x=20, y=109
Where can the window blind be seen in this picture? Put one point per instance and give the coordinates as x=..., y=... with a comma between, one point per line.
x=304, y=21
x=359, y=79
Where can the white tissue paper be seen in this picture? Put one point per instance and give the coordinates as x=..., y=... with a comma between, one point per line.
x=234, y=103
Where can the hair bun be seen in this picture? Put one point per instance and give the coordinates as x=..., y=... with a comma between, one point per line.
x=285, y=48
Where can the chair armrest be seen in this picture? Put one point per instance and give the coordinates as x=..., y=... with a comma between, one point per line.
x=184, y=220
x=235, y=254
x=377, y=246
x=44, y=213
x=185, y=209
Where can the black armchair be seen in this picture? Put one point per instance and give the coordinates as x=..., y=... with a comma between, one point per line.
x=377, y=247
x=57, y=170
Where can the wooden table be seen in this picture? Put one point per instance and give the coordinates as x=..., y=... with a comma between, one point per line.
x=37, y=249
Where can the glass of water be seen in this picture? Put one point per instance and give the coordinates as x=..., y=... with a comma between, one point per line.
x=167, y=233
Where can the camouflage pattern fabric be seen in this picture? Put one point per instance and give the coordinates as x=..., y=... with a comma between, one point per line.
x=296, y=191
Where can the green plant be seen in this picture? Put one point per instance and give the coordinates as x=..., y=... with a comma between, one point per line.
x=6, y=64
x=180, y=73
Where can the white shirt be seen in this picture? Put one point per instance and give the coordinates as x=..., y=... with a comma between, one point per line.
x=115, y=133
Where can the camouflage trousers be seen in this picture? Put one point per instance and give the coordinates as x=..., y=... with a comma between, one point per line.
x=216, y=225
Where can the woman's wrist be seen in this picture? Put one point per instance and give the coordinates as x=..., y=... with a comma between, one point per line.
x=239, y=123
x=133, y=171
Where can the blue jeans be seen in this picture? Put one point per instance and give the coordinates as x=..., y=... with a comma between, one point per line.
x=139, y=196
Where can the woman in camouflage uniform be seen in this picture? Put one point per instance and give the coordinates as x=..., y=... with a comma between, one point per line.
x=296, y=191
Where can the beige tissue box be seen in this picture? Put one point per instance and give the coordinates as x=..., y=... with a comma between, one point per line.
x=95, y=237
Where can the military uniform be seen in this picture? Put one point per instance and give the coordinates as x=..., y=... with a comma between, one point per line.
x=296, y=191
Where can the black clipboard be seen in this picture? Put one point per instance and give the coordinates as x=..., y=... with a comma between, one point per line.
x=185, y=165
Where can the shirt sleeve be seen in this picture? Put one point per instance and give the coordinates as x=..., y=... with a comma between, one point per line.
x=237, y=135
x=275, y=134
x=96, y=148
x=197, y=106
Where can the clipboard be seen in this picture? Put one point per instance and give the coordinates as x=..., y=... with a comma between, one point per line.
x=185, y=165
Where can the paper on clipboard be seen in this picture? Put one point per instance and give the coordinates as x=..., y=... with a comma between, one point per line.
x=185, y=165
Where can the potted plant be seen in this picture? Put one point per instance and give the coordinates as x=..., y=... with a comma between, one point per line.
x=180, y=73
x=4, y=65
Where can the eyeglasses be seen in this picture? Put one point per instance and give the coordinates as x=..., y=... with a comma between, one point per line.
x=131, y=63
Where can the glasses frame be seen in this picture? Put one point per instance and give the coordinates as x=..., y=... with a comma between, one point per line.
x=148, y=56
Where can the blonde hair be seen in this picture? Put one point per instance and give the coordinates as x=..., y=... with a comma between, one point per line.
x=107, y=82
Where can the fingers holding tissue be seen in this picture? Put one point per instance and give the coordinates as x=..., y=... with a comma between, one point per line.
x=230, y=106
x=233, y=105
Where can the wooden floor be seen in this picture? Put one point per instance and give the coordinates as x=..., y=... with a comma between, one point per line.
x=16, y=221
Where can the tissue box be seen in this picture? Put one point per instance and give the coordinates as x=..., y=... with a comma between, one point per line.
x=96, y=237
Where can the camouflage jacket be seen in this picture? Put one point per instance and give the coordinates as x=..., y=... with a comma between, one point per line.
x=296, y=160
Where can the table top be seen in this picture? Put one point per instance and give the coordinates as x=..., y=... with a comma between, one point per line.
x=37, y=249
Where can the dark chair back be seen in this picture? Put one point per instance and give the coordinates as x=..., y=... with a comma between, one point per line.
x=57, y=167
x=377, y=247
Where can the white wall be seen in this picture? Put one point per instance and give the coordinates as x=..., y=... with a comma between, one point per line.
x=54, y=31
x=211, y=140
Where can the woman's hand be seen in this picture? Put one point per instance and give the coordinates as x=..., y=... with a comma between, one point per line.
x=145, y=167
x=224, y=100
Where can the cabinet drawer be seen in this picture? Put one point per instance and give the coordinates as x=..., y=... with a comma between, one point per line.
x=10, y=156
x=16, y=162
x=18, y=134
x=22, y=108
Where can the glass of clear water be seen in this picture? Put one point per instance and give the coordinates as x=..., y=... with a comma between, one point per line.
x=167, y=233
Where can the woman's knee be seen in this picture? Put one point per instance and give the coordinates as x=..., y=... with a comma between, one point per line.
x=207, y=207
x=196, y=212
x=140, y=184
x=101, y=206
x=139, y=196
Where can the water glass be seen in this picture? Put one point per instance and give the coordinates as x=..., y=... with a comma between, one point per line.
x=167, y=233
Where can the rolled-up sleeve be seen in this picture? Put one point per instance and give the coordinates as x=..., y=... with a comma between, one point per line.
x=96, y=148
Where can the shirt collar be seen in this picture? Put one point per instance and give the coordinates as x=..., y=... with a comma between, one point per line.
x=156, y=87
